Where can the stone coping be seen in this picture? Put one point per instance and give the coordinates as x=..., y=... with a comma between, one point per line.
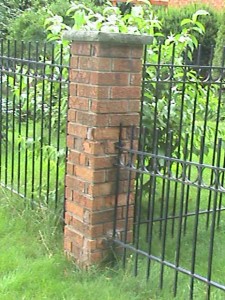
x=104, y=37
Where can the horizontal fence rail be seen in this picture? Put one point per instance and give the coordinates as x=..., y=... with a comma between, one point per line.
x=33, y=107
x=176, y=176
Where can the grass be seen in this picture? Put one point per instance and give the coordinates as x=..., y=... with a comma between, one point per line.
x=33, y=266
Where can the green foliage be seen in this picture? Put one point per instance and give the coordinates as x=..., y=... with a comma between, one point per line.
x=171, y=22
x=176, y=48
x=7, y=14
x=140, y=20
x=220, y=44
x=28, y=26
x=25, y=20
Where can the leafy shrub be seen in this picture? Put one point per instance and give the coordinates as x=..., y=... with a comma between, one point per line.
x=220, y=44
x=171, y=22
x=7, y=13
x=29, y=26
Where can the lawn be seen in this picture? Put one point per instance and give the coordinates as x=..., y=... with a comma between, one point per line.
x=33, y=266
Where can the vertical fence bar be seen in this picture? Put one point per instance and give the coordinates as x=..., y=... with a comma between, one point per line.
x=180, y=217
x=129, y=191
x=192, y=135
x=151, y=201
x=34, y=144
x=1, y=103
x=183, y=94
x=27, y=127
x=58, y=125
x=167, y=166
x=50, y=121
x=168, y=122
x=13, y=117
x=7, y=116
x=20, y=118
x=120, y=144
x=196, y=220
x=217, y=124
x=42, y=120
x=138, y=195
x=213, y=223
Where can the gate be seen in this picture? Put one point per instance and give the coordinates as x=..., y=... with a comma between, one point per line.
x=179, y=169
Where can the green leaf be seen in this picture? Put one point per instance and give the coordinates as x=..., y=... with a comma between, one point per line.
x=200, y=12
x=185, y=21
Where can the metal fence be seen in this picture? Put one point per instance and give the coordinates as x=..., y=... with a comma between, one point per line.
x=179, y=210
x=33, y=106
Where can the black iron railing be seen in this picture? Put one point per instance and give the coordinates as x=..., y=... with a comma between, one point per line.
x=179, y=209
x=33, y=106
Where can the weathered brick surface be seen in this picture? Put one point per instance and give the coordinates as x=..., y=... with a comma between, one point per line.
x=218, y=4
x=105, y=89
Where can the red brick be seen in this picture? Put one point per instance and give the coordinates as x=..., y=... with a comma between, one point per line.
x=91, y=119
x=95, y=63
x=90, y=244
x=75, y=209
x=70, y=141
x=99, y=217
x=103, y=50
x=137, y=52
x=135, y=79
x=75, y=183
x=69, y=193
x=73, y=235
x=78, y=144
x=102, y=189
x=126, y=120
x=77, y=129
x=79, y=103
x=74, y=62
x=83, y=199
x=89, y=174
x=93, y=147
x=110, y=79
x=96, y=230
x=67, y=245
x=102, y=162
x=131, y=92
x=134, y=106
x=69, y=169
x=71, y=115
x=93, y=91
x=96, y=257
x=80, y=76
x=109, y=106
x=110, y=147
x=82, y=49
x=127, y=65
x=108, y=133
x=74, y=157
x=72, y=89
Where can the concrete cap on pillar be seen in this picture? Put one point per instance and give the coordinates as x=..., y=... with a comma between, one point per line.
x=112, y=38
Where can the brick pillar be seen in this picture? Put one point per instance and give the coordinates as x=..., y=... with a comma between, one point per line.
x=105, y=90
